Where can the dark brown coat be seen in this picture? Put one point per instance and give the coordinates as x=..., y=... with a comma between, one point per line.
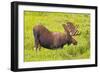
x=51, y=40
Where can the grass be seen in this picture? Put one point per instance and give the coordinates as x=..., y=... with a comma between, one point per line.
x=53, y=21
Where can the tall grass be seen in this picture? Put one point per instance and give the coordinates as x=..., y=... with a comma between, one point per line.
x=53, y=21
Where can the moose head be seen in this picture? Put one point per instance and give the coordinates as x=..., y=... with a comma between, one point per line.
x=68, y=35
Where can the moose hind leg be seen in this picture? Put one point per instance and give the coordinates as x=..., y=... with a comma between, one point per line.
x=36, y=41
x=36, y=45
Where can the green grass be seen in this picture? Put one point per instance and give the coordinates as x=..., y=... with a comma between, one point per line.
x=53, y=21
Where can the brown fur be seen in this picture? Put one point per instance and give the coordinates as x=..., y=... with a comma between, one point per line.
x=51, y=40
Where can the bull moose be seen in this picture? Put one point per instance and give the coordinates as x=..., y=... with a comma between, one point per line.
x=51, y=40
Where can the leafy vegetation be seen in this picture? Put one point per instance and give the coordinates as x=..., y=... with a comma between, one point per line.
x=53, y=21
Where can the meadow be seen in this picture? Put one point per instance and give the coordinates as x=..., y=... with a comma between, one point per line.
x=53, y=21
